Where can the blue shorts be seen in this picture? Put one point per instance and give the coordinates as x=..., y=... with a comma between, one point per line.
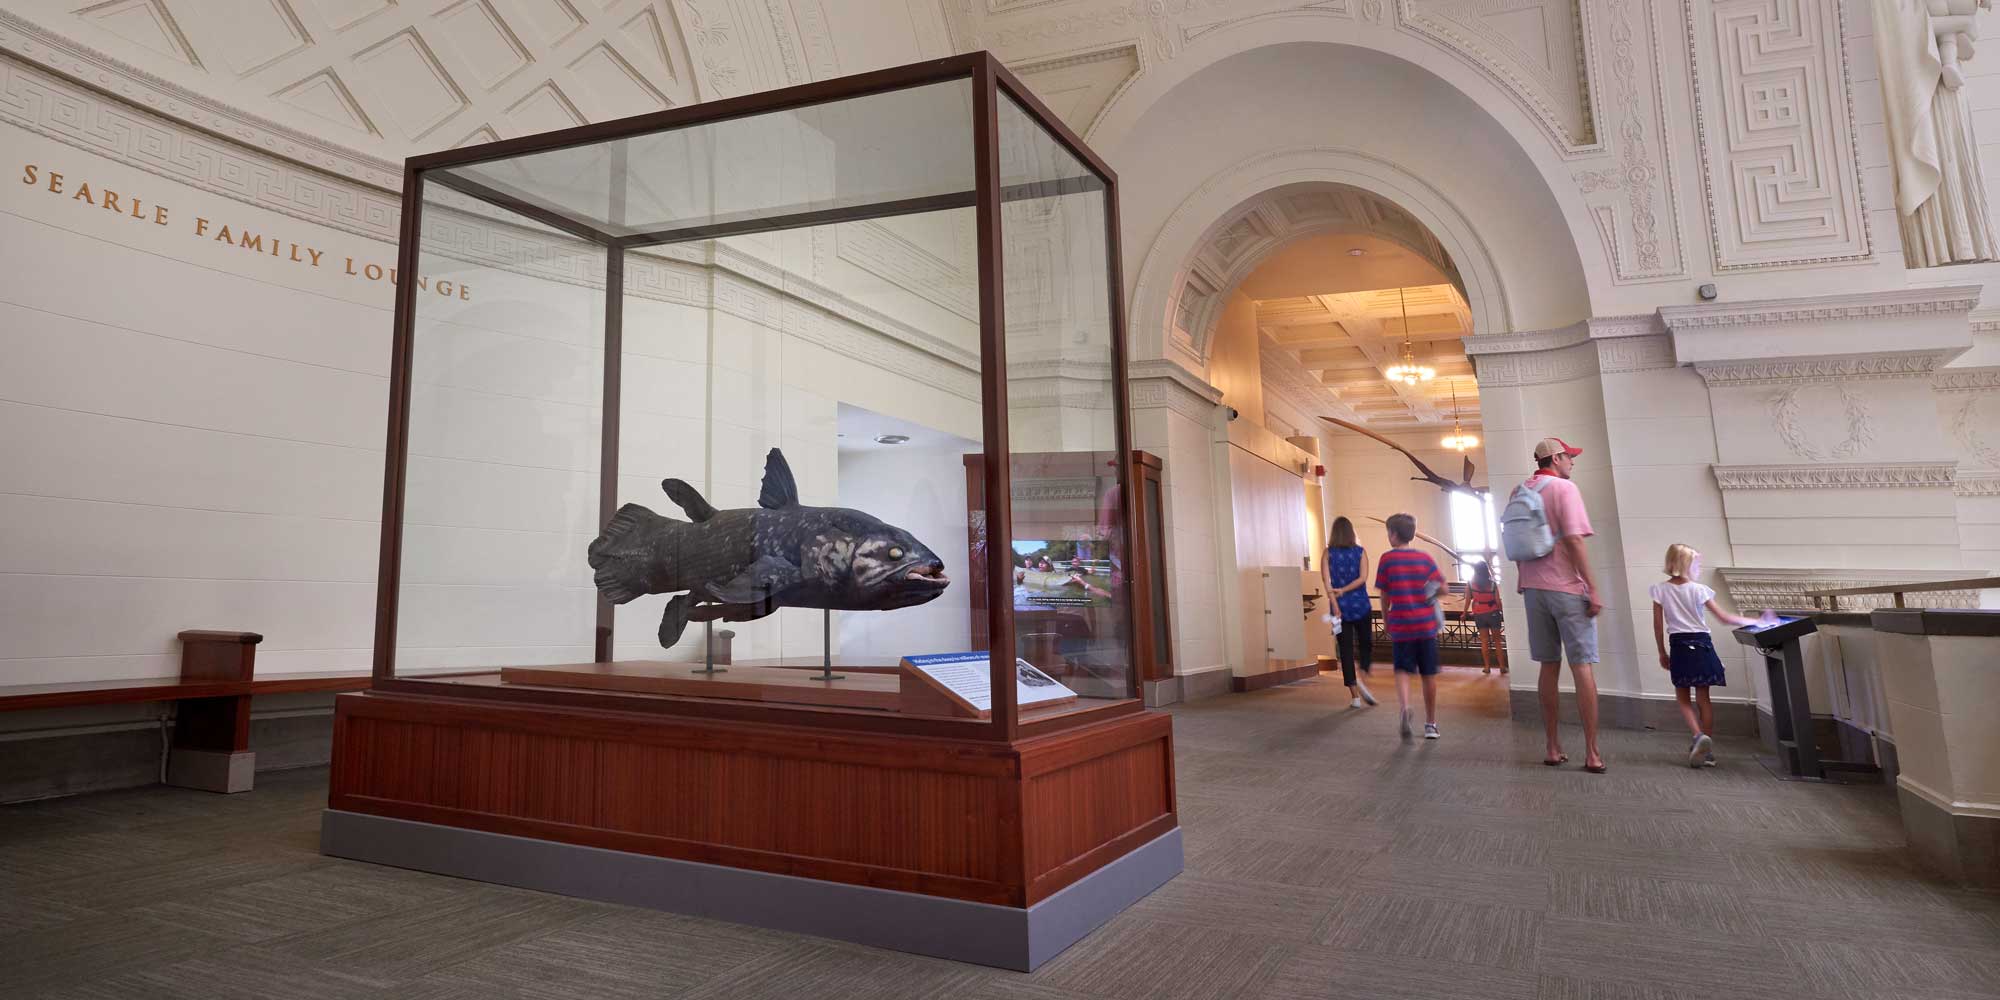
x=1417, y=656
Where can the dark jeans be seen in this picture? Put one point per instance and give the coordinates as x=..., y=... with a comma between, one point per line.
x=1356, y=641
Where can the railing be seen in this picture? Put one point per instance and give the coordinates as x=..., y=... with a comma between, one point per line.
x=1832, y=597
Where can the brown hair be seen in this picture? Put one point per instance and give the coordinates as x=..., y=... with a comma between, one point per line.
x=1342, y=535
x=1402, y=528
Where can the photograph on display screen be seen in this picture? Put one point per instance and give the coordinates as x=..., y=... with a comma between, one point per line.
x=1056, y=574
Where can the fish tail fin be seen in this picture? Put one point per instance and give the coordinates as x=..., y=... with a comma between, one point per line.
x=675, y=620
x=620, y=579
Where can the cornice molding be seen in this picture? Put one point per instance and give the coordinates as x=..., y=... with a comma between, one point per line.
x=1897, y=303
x=1527, y=341
x=37, y=45
x=1977, y=484
x=1871, y=475
x=1966, y=379
x=1826, y=368
x=1162, y=384
x=1775, y=587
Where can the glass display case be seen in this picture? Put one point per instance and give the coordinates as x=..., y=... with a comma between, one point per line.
x=804, y=408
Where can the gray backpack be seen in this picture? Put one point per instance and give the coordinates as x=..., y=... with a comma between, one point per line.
x=1524, y=524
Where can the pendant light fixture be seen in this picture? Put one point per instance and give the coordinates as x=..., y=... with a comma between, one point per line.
x=1408, y=371
x=1458, y=440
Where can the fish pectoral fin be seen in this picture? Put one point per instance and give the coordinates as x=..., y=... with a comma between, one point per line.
x=780, y=490
x=756, y=585
x=675, y=620
x=688, y=499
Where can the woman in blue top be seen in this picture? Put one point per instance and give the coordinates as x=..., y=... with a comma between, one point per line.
x=1347, y=583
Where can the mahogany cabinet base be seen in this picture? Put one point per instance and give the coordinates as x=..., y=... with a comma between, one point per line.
x=1006, y=825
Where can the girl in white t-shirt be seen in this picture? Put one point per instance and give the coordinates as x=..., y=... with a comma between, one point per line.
x=1677, y=623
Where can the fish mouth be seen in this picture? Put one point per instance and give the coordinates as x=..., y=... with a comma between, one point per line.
x=927, y=575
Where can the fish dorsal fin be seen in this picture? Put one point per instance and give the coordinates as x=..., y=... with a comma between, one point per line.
x=780, y=489
x=689, y=499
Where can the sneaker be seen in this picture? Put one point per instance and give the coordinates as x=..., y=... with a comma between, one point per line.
x=1406, y=724
x=1356, y=703
x=1430, y=730
x=1708, y=761
x=1702, y=748
x=1366, y=695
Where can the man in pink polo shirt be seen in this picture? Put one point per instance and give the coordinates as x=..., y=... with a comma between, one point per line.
x=1562, y=602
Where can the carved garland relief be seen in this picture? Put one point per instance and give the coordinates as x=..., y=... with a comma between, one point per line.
x=1860, y=426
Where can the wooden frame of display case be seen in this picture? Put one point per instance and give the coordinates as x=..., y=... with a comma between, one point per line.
x=1069, y=814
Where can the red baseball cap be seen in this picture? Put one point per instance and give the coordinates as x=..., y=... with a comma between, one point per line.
x=1555, y=446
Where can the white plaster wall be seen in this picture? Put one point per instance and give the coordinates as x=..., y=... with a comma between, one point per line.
x=1367, y=479
x=163, y=474
x=1661, y=439
x=200, y=430
x=921, y=490
x=1267, y=506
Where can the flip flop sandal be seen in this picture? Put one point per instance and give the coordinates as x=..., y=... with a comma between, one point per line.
x=1560, y=760
x=1596, y=768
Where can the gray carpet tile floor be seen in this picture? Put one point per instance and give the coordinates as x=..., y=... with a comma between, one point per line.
x=1325, y=858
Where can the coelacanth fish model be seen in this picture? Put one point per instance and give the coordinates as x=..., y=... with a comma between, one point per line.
x=743, y=564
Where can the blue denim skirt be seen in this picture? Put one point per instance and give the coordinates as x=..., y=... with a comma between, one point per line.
x=1692, y=660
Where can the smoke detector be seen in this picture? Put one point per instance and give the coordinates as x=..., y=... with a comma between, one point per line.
x=891, y=438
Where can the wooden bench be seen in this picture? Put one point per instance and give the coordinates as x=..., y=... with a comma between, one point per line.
x=211, y=747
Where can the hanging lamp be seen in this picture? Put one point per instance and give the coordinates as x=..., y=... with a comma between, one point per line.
x=1408, y=371
x=1458, y=440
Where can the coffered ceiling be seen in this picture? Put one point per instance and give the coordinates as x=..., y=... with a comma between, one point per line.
x=388, y=78
x=1347, y=340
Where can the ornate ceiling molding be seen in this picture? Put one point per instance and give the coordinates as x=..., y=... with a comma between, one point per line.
x=1774, y=122
x=1284, y=375
x=1642, y=238
x=1841, y=368
x=1556, y=94
x=1539, y=367
x=1161, y=384
x=1977, y=484
x=1967, y=379
x=1248, y=236
x=353, y=87
x=1823, y=476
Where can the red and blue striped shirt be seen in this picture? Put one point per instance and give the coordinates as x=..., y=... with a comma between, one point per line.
x=1401, y=576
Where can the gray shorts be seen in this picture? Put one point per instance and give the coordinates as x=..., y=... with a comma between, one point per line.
x=1560, y=623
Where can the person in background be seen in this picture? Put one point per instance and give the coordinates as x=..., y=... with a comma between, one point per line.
x=1562, y=601
x=1346, y=568
x=1482, y=602
x=1693, y=665
x=1410, y=582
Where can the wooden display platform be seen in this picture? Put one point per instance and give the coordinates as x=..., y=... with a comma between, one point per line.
x=979, y=820
x=741, y=682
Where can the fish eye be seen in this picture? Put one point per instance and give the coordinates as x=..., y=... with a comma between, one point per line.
x=895, y=553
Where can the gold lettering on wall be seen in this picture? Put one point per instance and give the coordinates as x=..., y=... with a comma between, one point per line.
x=127, y=205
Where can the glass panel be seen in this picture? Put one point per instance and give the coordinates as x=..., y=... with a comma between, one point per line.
x=1071, y=606
x=866, y=380
x=502, y=474
x=901, y=146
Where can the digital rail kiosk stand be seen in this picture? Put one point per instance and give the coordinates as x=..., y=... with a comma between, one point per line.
x=1791, y=710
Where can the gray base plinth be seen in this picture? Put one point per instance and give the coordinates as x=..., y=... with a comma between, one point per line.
x=981, y=933
x=212, y=770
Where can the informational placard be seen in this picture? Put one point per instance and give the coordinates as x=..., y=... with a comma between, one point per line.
x=967, y=678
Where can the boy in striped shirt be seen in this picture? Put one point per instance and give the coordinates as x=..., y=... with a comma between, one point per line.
x=1410, y=585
